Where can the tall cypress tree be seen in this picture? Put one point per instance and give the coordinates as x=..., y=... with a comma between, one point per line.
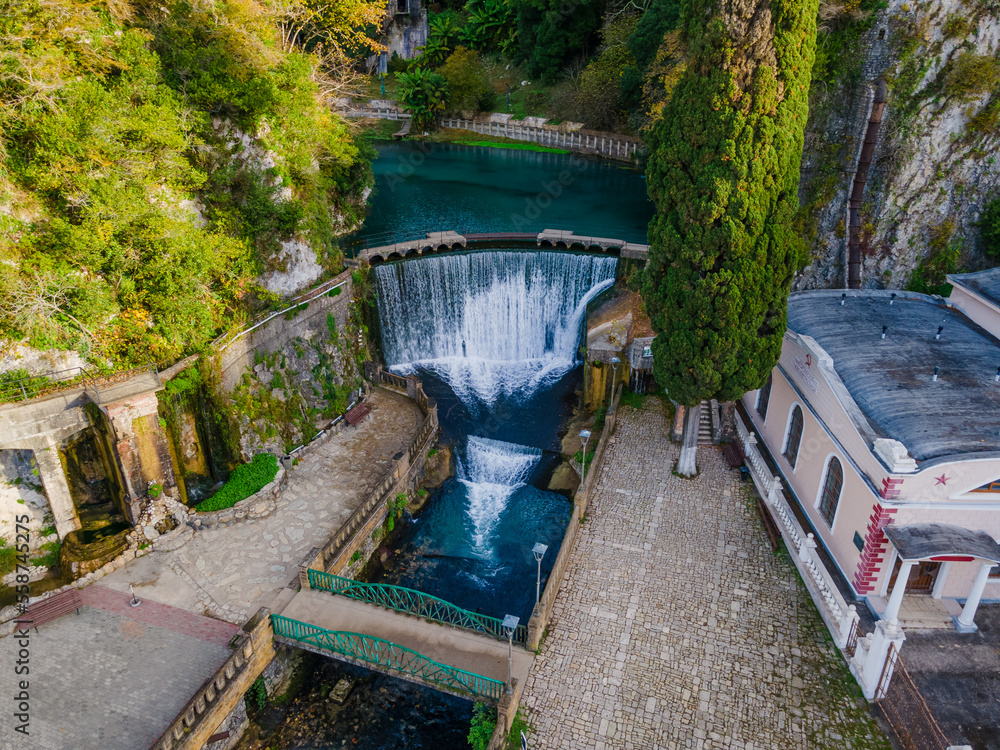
x=723, y=173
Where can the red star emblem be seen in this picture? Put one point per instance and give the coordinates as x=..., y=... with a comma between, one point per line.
x=941, y=480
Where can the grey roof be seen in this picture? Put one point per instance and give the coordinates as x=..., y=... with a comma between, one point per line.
x=891, y=379
x=984, y=283
x=919, y=541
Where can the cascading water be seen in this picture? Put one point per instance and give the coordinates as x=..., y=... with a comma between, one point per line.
x=490, y=324
x=494, y=337
x=491, y=472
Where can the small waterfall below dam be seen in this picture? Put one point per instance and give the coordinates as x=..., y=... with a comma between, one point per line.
x=494, y=337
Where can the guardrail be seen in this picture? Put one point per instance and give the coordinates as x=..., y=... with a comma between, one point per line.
x=840, y=618
x=410, y=601
x=607, y=144
x=387, y=655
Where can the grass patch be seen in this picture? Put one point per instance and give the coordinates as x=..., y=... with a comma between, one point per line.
x=516, y=145
x=49, y=555
x=8, y=558
x=245, y=481
x=634, y=400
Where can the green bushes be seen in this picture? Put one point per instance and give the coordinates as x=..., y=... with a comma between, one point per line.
x=989, y=224
x=481, y=728
x=929, y=276
x=245, y=481
x=468, y=86
x=8, y=558
x=970, y=75
x=424, y=94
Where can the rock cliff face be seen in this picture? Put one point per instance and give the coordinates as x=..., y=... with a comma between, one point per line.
x=935, y=161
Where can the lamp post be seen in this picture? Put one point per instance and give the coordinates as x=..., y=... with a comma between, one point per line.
x=584, y=437
x=614, y=373
x=539, y=551
x=135, y=601
x=510, y=625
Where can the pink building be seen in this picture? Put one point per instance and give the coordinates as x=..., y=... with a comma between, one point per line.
x=884, y=409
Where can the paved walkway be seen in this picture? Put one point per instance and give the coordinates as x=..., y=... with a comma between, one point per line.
x=112, y=677
x=454, y=647
x=231, y=572
x=678, y=628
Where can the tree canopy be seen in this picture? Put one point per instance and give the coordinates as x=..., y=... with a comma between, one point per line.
x=723, y=173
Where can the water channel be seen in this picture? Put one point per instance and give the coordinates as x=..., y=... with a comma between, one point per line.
x=494, y=336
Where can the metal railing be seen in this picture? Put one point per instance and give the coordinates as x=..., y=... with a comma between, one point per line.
x=410, y=601
x=362, y=242
x=387, y=655
x=905, y=710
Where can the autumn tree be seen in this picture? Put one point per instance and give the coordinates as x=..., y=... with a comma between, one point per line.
x=723, y=173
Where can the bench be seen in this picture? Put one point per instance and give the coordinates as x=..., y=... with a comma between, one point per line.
x=770, y=527
x=45, y=610
x=355, y=415
x=733, y=453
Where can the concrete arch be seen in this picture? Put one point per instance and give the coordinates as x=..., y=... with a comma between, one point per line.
x=376, y=260
x=395, y=256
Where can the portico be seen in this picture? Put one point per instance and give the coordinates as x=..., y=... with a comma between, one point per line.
x=946, y=546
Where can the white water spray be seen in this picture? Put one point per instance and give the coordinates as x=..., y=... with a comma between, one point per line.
x=490, y=324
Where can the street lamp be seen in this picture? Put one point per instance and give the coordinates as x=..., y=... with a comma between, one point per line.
x=510, y=625
x=614, y=373
x=539, y=551
x=584, y=437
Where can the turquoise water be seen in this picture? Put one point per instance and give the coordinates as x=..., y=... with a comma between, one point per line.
x=433, y=187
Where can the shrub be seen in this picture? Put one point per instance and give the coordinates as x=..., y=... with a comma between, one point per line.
x=49, y=556
x=468, y=86
x=929, y=276
x=481, y=727
x=957, y=26
x=970, y=74
x=245, y=481
x=424, y=93
x=989, y=223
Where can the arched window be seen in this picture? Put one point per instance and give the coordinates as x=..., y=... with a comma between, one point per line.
x=791, y=451
x=832, y=486
x=763, y=395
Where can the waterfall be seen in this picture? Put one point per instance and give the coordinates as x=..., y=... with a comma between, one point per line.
x=489, y=323
x=491, y=472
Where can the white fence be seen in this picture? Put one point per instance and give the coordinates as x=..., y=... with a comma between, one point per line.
x=606, y=144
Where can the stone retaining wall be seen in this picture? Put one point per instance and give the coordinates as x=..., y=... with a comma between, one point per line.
x=259, y=505
x=543, y=610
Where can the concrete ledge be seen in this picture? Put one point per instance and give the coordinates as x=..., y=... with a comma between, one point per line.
x=259, y=505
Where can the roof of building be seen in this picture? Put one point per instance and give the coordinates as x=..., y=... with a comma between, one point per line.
x=919, y=541
x=984, y=283
x=891, y=379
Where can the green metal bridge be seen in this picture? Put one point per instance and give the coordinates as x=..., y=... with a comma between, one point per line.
x=409, y=601
x=373, y=651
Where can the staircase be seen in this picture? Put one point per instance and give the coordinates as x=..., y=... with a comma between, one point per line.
x=705, y=424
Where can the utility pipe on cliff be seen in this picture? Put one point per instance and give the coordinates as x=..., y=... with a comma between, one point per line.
x=858, y=188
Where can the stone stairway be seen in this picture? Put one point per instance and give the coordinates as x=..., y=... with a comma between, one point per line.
x=705, y=424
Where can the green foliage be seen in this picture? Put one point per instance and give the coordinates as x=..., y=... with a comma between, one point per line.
x=8, y=558
x=661, y=17
x=245, y=481
x=929, y=275
x=600, y=415
x=958, y=26
x=356, y=556
x=484, y=721
x=518, y=725
x=442, y=34
x=256, y=696
x=396, y=508
x=550, y=33
x=468, y=86
x=634, y=400
x=723, y=173
x=601, y=80
x=989, y=225
x=109, y=128
x=155, y=490
x=490, y=26
x=970, y=75
x=48, y=556
x=424, y=94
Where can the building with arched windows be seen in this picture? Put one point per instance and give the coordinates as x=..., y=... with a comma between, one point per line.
x=884, y=413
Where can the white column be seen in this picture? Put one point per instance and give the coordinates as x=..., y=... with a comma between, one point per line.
x=869, y=673
x=965, y=622
x=896, y=598
x=939, y=582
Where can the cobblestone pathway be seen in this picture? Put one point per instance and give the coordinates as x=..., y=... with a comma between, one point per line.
x=678, y=628
x=231, y=572
x=107, y=680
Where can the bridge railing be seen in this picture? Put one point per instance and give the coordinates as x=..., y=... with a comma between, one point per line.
x=388, y=655
x=418, y=603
